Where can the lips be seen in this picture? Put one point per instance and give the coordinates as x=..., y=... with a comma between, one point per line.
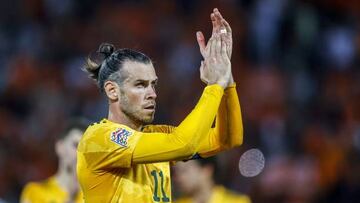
x=150, y=107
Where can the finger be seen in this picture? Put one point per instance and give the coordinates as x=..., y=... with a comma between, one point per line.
x=218, y=45
x=202, y=77
x=214, y=24
x=205, y=72
x=216, y=21
x=213, y=46
x=229, y=48
x=223, y=34
x=216, y=10
x=208, y=47
x=201, y=41
x=219, y=18
x=218, y=15
x=223, y=49
x=227, y=26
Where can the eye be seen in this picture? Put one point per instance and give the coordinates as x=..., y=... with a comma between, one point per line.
x=154, y=84
x=140, y=84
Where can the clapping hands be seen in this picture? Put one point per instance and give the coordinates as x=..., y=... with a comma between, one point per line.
x=216, y=67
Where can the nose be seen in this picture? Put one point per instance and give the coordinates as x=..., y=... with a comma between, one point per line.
x=151, y=93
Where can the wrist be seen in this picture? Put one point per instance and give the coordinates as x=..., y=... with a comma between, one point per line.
x=215, y=87
x=231, y=81
x=232, y=85
x=223, y=84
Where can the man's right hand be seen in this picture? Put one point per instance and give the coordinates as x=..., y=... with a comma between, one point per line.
x=219, y=24
x=216, y=69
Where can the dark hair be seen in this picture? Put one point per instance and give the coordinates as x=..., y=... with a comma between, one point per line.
x=111, y=62
x=76, y=123
x=212, y=162
x=207, y=161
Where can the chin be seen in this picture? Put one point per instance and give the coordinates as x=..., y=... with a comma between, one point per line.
x=148, y=120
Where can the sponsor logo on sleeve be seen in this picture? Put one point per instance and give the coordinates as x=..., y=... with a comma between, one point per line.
x=120, y=136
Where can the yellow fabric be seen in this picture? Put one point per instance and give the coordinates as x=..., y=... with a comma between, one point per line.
x=220, y=195
x=228, y=130
x=46, y=191
x=119, y=164
x=184, y=139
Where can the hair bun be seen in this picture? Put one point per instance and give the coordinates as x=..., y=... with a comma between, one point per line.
x=106, y=49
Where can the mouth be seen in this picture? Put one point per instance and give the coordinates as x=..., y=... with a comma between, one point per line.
x=150, y=107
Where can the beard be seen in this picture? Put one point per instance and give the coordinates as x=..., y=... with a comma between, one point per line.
x=138, y=117
x=135, y=113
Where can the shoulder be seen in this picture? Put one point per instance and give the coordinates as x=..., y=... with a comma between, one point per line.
x=32, y=187
x=158, y=128
x=35, y=189
x=101, y=129
x=231, y=196
x=183, y=200
x=98, y=135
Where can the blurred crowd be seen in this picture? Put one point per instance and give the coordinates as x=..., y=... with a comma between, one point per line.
x=296, y=64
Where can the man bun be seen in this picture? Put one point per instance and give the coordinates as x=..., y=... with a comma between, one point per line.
x=106, y=49
x=93, y=66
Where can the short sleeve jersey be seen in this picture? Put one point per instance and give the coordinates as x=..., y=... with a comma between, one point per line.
x=47, y=191
x=220, y=195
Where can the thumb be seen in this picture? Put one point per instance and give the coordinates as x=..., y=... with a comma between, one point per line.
x=201, y=41
x=202, y=76
x=201, y=68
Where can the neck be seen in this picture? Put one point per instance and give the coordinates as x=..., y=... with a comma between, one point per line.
x=117, y=116
x=66, y=178
x=203, y=194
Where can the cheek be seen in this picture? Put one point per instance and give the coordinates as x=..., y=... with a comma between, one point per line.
x=134, y=103
x=135, y=96
x=132, y=98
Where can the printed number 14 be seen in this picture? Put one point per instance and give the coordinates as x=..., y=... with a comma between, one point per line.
x=155, y=196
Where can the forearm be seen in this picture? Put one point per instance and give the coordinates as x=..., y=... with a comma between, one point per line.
x=228, y=130
x=233, y=122
x=183, y=142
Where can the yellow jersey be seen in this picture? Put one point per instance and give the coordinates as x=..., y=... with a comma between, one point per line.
x=121, y=181
x=118, y=164
x=220, y=195
x=47, y=191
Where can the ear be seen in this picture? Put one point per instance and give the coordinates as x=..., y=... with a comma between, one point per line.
x=111, y=89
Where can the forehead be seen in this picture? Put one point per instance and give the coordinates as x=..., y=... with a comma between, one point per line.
x=188, y=165
x=139, y=71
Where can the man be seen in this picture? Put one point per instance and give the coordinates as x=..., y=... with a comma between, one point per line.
x=63, y=186
x=121, y=158
x=195, y=179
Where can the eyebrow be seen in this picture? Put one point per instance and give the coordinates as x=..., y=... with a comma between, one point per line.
x=141, y=80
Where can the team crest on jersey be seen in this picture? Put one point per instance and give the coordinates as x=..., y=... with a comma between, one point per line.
x=120, y=136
